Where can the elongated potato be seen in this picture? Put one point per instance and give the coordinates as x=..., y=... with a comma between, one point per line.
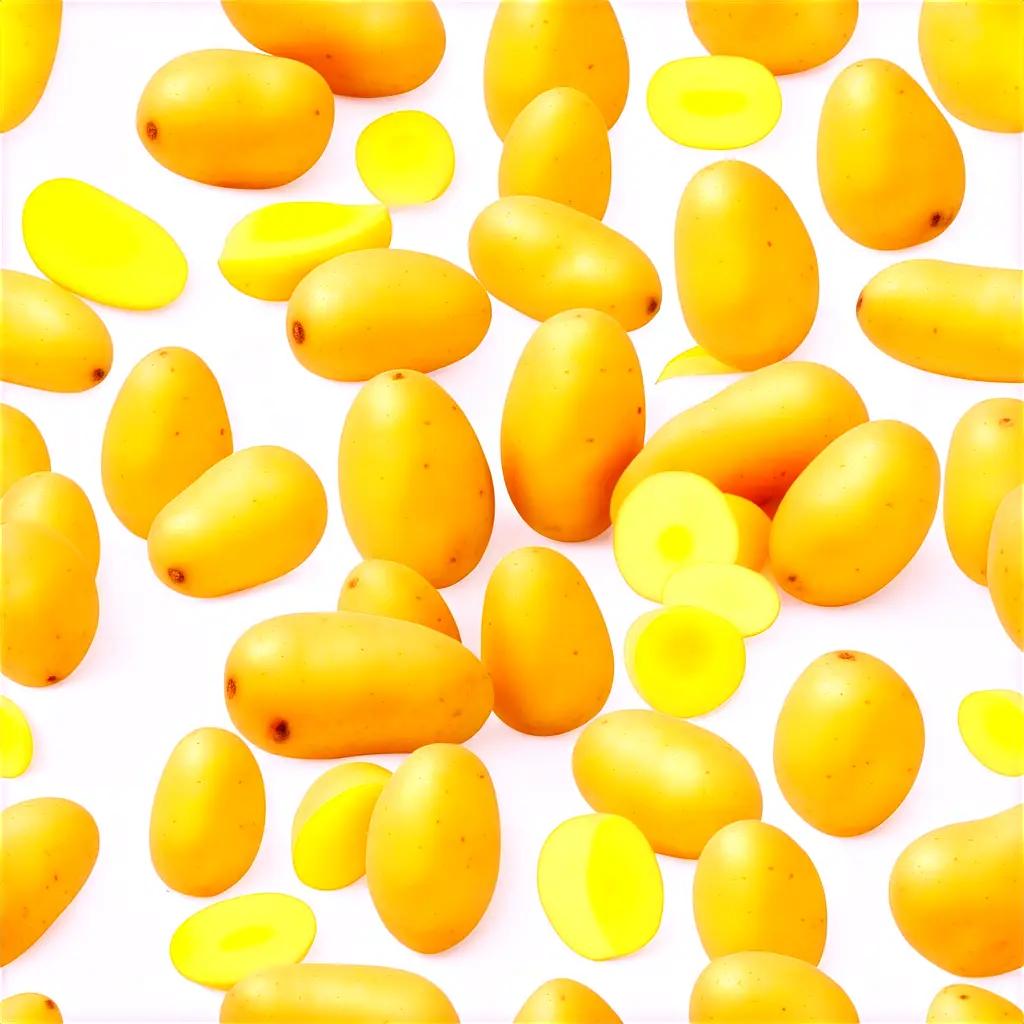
x=234, y=118
x=338, y=684
x=948, y=318
x=1005, y=569
x=372, y=310
x=49, y=338
x=253, y=516
x=574, y=419
x=968, y=1004
x=754, y=437
x=414, y=483
x=22, y=448
x=542, y=258
x=29, y=1008
x=563, y=1001
x=30, y=30
x=48, y=847
x=857, y=514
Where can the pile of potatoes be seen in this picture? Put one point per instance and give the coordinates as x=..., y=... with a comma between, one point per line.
x=781, y=480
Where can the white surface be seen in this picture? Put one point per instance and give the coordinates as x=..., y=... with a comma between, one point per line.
x=154, y=671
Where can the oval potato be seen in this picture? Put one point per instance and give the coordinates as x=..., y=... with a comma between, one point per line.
x=22, y=448
x=563, y=1001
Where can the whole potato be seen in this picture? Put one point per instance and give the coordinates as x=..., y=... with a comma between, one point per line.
x=563, y=1001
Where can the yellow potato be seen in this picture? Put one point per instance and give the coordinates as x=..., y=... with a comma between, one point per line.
x=890, y=168
x=52, y=500
x=756, y=889
x=557, y=147
x=414, y=483
x=848, y=743
x=739, y=595
x=1005, y=570
x=745, y=266
x=373, y=310
x=694, y=362
x=405, y=158
x=235, y=118
x=269, y=251
x=767, y=988
x=48, y=847
x=985, y=463
x=22, y=448
x=754, y=437
x=545, y=644
x=49, y=338
x=992, y=727
x=973, y=55
x=856, y=515
x=956, y=895
x=167, y=426
x=29, y=1008
x=679, y=783
x=339, y=684
x=968, y=1004
x=785, y=35
x=30, y=30
x=433, y=848
x=49, y=607
x=537, y=45
x=542, y=258
x=600, y=886
x=15, y=741
x=370, y=48
x=250, y=518
x=329, y=830
x=563, y=1001
x=313, y=993
x=380, y=587
x=754, y=527
x=206, y=824
x=574, y=418
x=948, y=318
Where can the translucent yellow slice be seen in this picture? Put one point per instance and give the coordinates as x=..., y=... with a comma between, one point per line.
x=714, y=102
x=737, y=594
x=229, y=940
x=29, y=1008
x=600, y=886
x=268, y=252
x=684, y=661
x=754, y=526
x=329, y=831
x=99, y=247
x=992, y=726
x=15, y=740
x=695, y=362
x=405, y=158
x=669, y=520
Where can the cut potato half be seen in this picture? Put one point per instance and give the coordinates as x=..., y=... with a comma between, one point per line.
x=737, y=594
x=992, y=726
x=15, y=740
x=405, y=158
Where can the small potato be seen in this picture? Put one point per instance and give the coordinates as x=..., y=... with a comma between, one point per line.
x=30, y=32
x=206, y=824
x=563, y=1001
x=22, y=448
x=1005, y=569
x=968, y=1004
x=29, y=1008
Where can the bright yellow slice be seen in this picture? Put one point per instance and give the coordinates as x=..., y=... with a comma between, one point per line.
x=737, y=594
x=29, y=1008
x=227, y=941
x=714, y=102
x=329, y=831
x=405, y=158
x=695, y=362
x=754, y=526
x=684, y=661
x=267, y=253
x=15, y=740
x=101, y=248
x=667, y=521
x=992, y=726
x=600, y=886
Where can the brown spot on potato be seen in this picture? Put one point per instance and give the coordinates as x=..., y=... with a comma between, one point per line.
x=847, y=656
x=151, y=131
x=400, y=376
x=936, y=219
x=280, y=731
x=652, y=305
x=860, y=301
x=98, y=374
x=353, y=583
x=298, y=333
x=230, y=688
x=176, y=575
x=51, y=678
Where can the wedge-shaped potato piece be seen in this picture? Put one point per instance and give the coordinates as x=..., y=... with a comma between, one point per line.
x=738, y=594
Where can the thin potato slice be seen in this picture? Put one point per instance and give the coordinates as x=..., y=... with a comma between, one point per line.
x=15, y=740
x=992, y=726
x=738, y=594
x=405, y=158
x=754, y=526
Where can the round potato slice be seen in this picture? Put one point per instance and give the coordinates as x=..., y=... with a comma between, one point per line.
x=992, y=726
x=405, y=158
x=738, y=594
x=15, y=740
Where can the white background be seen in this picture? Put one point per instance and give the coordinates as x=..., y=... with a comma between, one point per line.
x=155, y=668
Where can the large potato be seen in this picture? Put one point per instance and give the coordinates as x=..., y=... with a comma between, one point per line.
x=22, y=448
x=30, y=30
x=1005, y=569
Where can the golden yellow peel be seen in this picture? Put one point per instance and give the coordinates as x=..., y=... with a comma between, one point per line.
x=15, y=740
x=739, y=595
x=992, y=726
x=694, y=362
x=29, y=1008
x=754, y=526
x=405, y=158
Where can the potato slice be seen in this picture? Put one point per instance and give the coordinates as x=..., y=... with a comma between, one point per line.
x=754, y=526
x=405, y=158
x=694, y=362
x=992, y=726
x=15, y=740
x=229, y=940
x=737, y=594
x=600, y=886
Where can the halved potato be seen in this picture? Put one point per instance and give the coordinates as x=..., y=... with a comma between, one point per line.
x=992, y=726
x=738, y=594
x=405, y=158
x=15, y=740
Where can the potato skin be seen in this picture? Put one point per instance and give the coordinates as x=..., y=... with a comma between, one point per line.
x=746, y=270
x=29, y=1008
x=48, y=847
x=22, y=448
x=968, y=1004
x=677, y=782
x=956, y=894
x=574, y=418
x=372, y=310
x=415, y=486
x=371, y=48
x=1005, y=569
x=856, y=515
x=848, y=743
x=30, y=32
x=563, y=1001
x=301, y=993
x=433, y=847
x=236, y=119
x=754, y=437
x=208, y=813
x=542, y=258
x=545, y=644
x=369, y=685
x=890, y=168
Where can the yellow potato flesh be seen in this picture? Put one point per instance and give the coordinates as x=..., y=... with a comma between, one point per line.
x=30, y=30
x=405, y=158
x=992, y=726
x=694, y=362
x=15, y=740
x=600, y=886
x=754, y=525
x=22, y=448
x=29, y=1008
x=739, y=595
x=227, y=941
